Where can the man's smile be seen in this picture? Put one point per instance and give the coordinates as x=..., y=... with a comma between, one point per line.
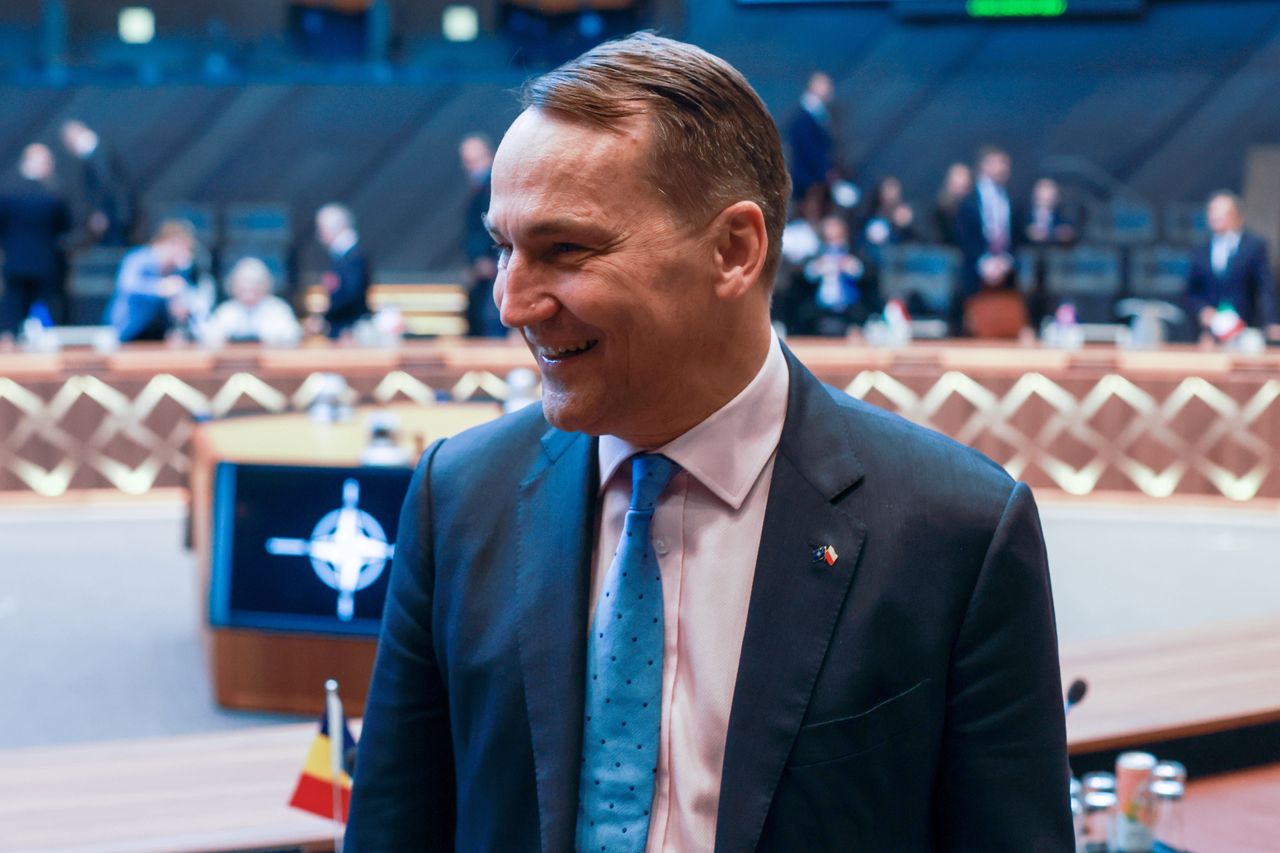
x=556, y=354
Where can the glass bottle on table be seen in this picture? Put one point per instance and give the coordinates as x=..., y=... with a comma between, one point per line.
x=1167, y=823
x=1174, y=770
x=1100, y=780
x=1099, y=813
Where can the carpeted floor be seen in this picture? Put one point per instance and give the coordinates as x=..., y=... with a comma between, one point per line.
x=99, y=628
x=100, y=611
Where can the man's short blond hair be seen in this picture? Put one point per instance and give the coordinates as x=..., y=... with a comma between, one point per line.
x=714, y=142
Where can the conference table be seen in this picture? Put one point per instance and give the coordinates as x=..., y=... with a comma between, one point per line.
x=228, y=792
x=1179, y=421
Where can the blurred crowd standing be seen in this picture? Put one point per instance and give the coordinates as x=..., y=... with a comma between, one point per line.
x=977, y=262
x=174, y=286
x=981, y=262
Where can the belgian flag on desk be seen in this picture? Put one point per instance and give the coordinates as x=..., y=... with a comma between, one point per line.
x=315, y=786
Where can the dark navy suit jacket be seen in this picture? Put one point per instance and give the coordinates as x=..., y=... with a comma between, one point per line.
x=906, y=698
x=33, y=221
x=972, y=239
x=1246, y=283
x=348, y=302
x=811, y=144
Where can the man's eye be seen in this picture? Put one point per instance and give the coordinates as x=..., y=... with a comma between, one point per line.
x=504, y=254
x=566, y=248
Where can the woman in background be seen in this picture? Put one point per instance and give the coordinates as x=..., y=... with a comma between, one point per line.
x=252, y=313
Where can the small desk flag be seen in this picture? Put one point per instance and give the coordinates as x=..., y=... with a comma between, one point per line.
x=315, y=791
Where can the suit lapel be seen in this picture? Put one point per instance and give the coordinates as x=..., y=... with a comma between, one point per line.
x=555, y=524
x=795, y=601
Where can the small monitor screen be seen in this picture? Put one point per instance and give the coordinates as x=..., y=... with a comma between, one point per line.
x=302, y=548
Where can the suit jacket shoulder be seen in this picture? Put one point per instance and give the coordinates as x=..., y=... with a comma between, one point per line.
x=497, y=451
x=935, y=473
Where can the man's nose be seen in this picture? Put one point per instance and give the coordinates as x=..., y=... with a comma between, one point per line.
x=523, y=297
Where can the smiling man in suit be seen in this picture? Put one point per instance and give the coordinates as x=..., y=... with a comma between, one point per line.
x=1231, y=270
x=697, y=601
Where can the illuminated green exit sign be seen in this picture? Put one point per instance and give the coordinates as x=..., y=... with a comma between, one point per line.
x=1016, y=8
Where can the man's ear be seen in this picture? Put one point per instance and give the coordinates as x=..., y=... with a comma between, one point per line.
x=741, y=247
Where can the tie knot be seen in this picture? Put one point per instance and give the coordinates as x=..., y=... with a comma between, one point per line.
x=650, y=473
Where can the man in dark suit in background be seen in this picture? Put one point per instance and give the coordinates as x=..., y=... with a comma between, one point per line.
x=347, y=279
x=686, y=603
x=1045, y=224
x=1231, y=271
x=987, y=234
x=104, y=201
x=476, y=154
x=811, y=141
x=33, y=222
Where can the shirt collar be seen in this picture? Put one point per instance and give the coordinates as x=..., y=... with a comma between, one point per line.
x=728, y=450
x=814, y=106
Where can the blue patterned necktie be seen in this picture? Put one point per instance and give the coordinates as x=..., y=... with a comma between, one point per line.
x=623, y=706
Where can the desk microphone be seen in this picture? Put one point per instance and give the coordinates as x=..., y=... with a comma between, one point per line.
x=1074, y=694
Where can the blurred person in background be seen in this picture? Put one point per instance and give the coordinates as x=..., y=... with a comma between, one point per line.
x=1046, y=223
x=253, y=313
x=34, y=219
x=156, y=295
x=838, y=296
x=989, y=304
x=1231, y=272
x=476, y=154
x=800, y=238
x=812, y=143
x=347, y=279
x=800, y=243
x=955, y=188
x=889, y=220
x=103, y=200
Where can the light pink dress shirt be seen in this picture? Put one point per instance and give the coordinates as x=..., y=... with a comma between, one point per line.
x=706, y=533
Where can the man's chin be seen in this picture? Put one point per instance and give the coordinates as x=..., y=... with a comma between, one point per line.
x=570, y=416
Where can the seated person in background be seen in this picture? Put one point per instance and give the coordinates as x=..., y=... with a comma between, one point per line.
x=955, y=188
x=889, y=220
x=1046, y=224
x=800, y=244
x=1231, y=272
x=347, y=279
x=155, y=294
x=837, y=284
x=252, y=313
x=800, y=238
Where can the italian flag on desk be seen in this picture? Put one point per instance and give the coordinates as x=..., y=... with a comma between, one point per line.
x=324, y=788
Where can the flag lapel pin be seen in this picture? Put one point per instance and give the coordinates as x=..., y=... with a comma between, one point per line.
x=826, y=554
